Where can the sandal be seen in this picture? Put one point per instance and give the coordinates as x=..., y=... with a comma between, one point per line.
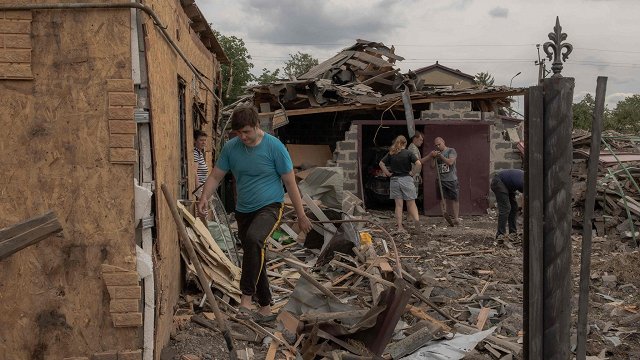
x=244, y=313
x=448, y=218
x=262, y=319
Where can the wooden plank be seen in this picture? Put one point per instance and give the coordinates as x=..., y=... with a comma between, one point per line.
x=532, y=244
x=27, y=233
x=590, y=200
x=483, y=316
x=273, y=348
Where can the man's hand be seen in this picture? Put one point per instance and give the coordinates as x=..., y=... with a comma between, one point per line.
x=304, y=223
x=202, y=206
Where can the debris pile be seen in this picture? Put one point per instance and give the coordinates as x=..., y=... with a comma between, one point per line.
x=617, y=208
x=344, y=292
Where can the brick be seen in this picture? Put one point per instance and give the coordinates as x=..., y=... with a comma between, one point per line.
x=120, y=85
x=130, y=355
x=120, y=279
x=15, y=71
x=15, y=56
x=123, y=155
x=15, y=27
x=124, y=305
x=121, y=140
x=124, y=292
x=107, y=355
x=122, y=99
x=127, y=319
x=106, y=268
x=17, y=41
x=122, y=127
x=121, y=113
x=17, y=15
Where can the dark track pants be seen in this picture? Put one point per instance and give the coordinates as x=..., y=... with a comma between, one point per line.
x=254, y=229
x=507, y=207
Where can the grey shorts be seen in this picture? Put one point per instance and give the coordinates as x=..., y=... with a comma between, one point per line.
x=449, y=188
x=402, y=188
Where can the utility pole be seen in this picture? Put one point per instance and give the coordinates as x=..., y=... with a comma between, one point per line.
x=542, y=70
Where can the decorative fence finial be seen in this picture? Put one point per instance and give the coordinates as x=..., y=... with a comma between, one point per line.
x=554, y=48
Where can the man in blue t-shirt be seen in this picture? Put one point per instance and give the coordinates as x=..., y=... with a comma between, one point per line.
x=260, y=164
x=504, y=185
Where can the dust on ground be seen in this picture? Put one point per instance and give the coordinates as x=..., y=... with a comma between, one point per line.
x=490, y=275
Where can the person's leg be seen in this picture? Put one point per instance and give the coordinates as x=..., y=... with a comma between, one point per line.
x=254, y=230
x=502, y=198
x=412, y=211
x=513, y=213
x=398, y=213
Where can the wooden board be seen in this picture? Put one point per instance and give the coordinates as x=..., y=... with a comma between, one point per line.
x=309, y=155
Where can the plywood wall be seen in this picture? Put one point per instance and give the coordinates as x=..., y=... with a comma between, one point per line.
x=54, y=154
x=164, y=67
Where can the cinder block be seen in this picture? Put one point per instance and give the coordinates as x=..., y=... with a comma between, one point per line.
x=124, y=292
x=346, y=145
x=107, y=355
x=445, y=105
x=130, y=355
x=120, y=85
x=17, y=41
x=451, y=116
x=462, y=105
x=122, y=113
x=15, y=55
x=15, y=27
x=430, y=115
x=76, y=358
x=123, y=155
x=1, y=41
x=122, y=127
x=127, y=319
x=124, y=305
x=121, y=140
x=471, y=115
x=122, y=99
x=120, y=278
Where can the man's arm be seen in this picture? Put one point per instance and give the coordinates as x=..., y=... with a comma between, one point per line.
x=449, y=161
x=418, y=167
x=289, y=181
x=213, y=180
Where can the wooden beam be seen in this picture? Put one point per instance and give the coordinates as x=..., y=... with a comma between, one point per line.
x=27, y=233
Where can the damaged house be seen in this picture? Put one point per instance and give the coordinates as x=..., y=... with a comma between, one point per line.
x=99, y=103
x=346, y=111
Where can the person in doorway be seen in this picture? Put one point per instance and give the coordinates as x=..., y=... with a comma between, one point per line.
x=260, y=164
x=202, y=169
x=397, y=165
x=504, y=185
x=443, y=159
x=199, y=145
x=416, y=143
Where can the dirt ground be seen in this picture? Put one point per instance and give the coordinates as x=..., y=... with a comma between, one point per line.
x=489, y=276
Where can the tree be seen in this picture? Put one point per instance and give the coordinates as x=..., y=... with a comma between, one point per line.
x=626, y=116
x=239, y=73
x=583, y=112
x=267, y=76
x=484, y=78
x=299, y=64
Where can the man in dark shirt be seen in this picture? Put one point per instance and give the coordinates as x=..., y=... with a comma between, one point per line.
x=504, y=185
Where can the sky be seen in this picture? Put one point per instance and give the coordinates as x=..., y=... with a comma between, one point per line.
x=495, y=36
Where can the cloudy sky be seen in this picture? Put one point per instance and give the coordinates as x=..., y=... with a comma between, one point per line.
x=495, y=36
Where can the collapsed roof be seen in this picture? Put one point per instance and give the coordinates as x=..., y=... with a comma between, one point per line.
x=364, y=76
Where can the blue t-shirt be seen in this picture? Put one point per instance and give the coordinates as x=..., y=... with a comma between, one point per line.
x=513, y=179
x=257, y=170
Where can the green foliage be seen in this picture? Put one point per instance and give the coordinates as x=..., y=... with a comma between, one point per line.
x=484, y=78
x=625, y=118
x=267, y=76
x=583, y=112
x=240, y=76
x=299, y=64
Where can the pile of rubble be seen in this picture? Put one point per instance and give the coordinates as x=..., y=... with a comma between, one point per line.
x=617, y=208
x=342, y=291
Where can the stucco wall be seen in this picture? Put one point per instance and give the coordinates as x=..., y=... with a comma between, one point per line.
x=441, y=77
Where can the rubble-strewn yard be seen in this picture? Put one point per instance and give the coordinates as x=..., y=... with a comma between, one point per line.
x=468, y=276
